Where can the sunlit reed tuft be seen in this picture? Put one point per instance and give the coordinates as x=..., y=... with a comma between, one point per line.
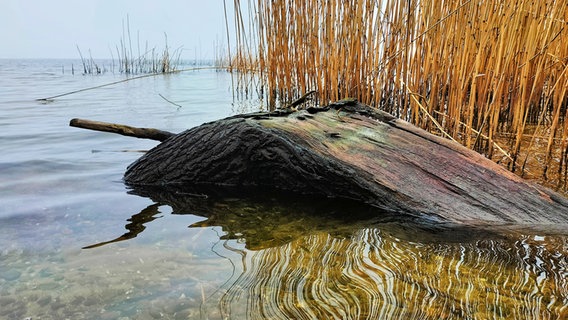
x=493, y=74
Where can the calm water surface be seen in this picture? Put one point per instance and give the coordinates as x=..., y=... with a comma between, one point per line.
x=174, y=257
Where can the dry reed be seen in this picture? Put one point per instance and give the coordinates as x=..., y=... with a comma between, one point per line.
x=151, y=60
x=488, y=72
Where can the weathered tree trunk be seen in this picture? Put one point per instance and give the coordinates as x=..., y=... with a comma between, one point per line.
x=352, y=152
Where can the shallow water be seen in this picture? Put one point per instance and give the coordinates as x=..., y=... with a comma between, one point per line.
x=172, y=257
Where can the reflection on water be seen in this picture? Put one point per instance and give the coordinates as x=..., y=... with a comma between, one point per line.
x=135, y=226
x=374, y=275
x=391, y=269
x=290, y=258
x=304, y=259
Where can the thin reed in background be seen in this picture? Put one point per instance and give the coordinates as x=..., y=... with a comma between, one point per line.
x=151, y=60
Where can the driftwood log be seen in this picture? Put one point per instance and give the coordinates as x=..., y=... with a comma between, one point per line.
x=347, y=150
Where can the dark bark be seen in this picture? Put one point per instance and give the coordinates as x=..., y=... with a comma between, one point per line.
x=352, y=152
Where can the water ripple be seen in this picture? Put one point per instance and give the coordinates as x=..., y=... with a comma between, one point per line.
x=377, y=276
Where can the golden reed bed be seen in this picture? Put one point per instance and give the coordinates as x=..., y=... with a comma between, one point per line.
x=489, y=74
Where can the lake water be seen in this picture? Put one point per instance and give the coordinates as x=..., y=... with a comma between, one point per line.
x=77, y=244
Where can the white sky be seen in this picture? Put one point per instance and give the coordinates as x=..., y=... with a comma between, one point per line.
x=53, y=28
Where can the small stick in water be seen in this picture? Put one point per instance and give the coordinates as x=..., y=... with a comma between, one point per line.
x=143, y=133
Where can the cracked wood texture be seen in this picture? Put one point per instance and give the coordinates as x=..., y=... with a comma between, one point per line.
x=349, y=151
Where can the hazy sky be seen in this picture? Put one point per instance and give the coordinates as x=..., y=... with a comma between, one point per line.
x=53, y=28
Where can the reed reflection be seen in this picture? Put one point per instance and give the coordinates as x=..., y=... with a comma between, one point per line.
x=375, y=275
x=327, y=260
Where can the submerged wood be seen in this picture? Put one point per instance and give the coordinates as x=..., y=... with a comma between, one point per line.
x=351, y=151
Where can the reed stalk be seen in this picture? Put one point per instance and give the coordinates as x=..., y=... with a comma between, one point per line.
x=487, y=72
x=129, y=64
